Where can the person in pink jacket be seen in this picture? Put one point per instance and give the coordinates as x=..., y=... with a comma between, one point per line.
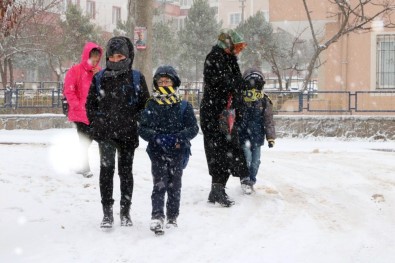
x=76, y=87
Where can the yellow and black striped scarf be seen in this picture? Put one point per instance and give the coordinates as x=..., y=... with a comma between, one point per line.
x=252, y=95
x=165, y=95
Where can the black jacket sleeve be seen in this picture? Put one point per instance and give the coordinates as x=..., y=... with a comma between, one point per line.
x=191, y=128
x=144, y=94
x=92, y=103
x=146, y=118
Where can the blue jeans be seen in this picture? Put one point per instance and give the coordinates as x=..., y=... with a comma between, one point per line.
x=253, y=158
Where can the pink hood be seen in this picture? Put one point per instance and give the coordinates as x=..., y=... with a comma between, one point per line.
x=77, y=83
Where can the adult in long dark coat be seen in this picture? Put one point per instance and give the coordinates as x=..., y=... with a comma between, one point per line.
x=222, y=78
x=113, y=105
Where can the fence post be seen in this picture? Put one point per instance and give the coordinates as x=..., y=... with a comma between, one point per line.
x=16, y=97
x=300, y=101
x=53, y=98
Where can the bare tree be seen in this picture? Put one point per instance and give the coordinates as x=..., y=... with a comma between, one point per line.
x=9, y=15
x=72, y=33
x=352, y=16
x=287, y=56
x=22, y=38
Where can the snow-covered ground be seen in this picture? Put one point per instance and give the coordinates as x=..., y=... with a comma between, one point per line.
x=316, y=200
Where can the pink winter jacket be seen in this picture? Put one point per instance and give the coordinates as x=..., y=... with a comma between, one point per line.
x=77, y=83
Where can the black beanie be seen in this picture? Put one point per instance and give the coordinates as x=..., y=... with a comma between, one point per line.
x=117, y=45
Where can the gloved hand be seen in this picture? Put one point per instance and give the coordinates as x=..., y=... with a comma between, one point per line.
x=167, y=141
x=270, y=143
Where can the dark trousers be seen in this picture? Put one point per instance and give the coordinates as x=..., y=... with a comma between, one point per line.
x=166, y=173
x=108, y=149
x=225, y=157
x=85, y=139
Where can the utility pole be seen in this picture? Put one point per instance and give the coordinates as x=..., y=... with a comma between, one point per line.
x=242, y=10
x=143, y=16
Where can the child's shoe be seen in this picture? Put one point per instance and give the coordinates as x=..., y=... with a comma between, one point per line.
x=156, y=226
x=246, y=186
x=171, y=223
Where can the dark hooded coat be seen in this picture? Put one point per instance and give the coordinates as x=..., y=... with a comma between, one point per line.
x=114, y=111
x=222, y=77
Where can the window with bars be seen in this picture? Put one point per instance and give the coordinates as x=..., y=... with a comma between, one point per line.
x=385, y=62
x=215, y=8
x=91, y=9
x=116, y=14
x=181, y=23
x=185, y=3
x=235, y=19
x=266, y=15
x=73, y=2
x=67, y=3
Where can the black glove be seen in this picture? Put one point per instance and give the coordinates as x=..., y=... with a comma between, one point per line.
x=270, y=143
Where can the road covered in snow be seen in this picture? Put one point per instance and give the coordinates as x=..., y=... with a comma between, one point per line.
x=316, y=200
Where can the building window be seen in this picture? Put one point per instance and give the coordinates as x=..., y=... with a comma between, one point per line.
x=73, y=2
x=116, y=15
x=266, y=15
x=181, y=23
x=91, y=9
x=67, y=3
x=215, y=8
x=385, y=62
x=235, y=19
x=185, y=3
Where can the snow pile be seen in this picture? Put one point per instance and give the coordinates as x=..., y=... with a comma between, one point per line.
x=316, y=200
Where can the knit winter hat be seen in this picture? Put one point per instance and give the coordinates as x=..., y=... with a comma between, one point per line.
x=230, y=40
x=117, y=45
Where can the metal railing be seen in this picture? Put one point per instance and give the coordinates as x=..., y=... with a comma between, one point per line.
x=32, y=95
x=49, y=95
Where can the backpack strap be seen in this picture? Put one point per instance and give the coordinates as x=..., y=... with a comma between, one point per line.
x=183, y=107
x=187, y=150
x=98, y=78
x=136, y=76
x=136, y=79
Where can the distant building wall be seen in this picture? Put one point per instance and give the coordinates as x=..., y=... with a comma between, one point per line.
x=228, y=8
x=352, y=63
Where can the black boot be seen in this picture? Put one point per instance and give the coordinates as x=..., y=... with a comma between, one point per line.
x=218, y=195
x=125, y=216
x=108, y=218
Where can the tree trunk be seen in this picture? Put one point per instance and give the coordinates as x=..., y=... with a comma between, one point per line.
x=196, y=71
x=3, y=72
x=58, y=74
x=11, y=70
x=310, y=68
x=143, y=58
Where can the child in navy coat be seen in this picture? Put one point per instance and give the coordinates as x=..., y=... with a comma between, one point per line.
x=168, y=124
x=258, y=121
